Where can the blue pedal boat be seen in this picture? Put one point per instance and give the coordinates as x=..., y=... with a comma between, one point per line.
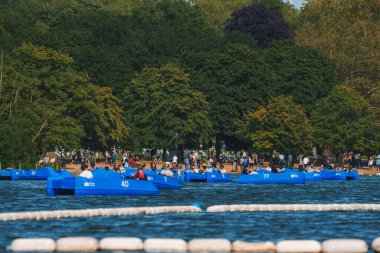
x=309, y=176
x=218, y=177
x=6, y=174
x=210, y=177
x=333, y=175
x=40, y=174
x=69, y=185
x=272, y=178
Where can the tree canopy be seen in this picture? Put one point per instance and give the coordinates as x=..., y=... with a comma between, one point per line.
x=281, y=126
x=261, y=22
x=345, y=121
x=165, y=110
x=226, y=76
x=54, y=104
x=347, y=31
x=300, y=72
x=84, y=72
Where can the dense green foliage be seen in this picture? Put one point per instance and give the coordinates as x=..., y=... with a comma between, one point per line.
x=282, y=126
x=289, y=12
x=300, y=72
x=160, y=73
x=227, y=77
x=347, y=31
x=263, y=23
x=344, y=121
x=165, y=110
x=47, y=103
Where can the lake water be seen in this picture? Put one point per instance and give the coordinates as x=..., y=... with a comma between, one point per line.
x=261, y=226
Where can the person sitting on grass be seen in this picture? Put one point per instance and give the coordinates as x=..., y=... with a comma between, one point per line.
x=139, y=175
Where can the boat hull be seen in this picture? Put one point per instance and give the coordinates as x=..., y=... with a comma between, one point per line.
x=40, y=174
x=208, y=177
x=272, y=178
x=99, y=186
x=333, y=175
x=5, y=174
x=352, y=175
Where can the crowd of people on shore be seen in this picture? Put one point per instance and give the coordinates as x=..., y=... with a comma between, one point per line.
x=200, y=161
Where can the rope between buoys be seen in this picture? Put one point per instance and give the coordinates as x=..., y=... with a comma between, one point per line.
x=57, y=214
x=294, y=208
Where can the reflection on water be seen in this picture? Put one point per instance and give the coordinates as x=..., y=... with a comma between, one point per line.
x=274, y=226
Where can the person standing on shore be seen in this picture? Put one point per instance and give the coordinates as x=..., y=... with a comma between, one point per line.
x=92, y=160
x=370, y=162
x=234, y=164
x=290, y=160
x=306, y=163
x=378, y=161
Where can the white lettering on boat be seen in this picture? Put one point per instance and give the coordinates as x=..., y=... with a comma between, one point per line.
x=125, y=183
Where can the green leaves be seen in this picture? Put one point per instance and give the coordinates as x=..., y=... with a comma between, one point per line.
x=344, y=120
x=281, y=126
x=300, y=72
x=164, y=110
x=347, y=31
x=54, y=105
x=60, y=54
x=228, y=76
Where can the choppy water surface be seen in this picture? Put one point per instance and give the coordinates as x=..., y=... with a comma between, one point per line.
x=30, y=196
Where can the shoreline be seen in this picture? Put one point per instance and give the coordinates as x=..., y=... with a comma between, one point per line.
x=75, y=168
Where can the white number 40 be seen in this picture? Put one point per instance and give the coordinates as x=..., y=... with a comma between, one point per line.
x=124, y=183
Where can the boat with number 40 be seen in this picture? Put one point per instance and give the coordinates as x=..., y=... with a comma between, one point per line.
x=69, y=185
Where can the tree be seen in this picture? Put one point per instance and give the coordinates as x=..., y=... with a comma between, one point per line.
x=262, y=23
x=164, y=110
x=344, y=120
x=300, y=72
x=58, y=106
x=109, y=40
x=289, y=12
x=120, y=6
x=347, y=31
x=112, y=47
x=281, y=126
x=15, y=143
x=370, y=90
x=228, y=76
x=219, y=11
x=237, y=77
